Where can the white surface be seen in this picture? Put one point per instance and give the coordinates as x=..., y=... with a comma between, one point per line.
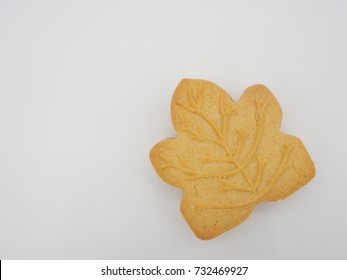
x=85, y=90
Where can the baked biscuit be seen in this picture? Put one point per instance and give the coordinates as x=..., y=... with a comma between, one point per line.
x=228, y=156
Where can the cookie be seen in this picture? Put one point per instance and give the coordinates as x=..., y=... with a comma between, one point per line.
x=228, y=156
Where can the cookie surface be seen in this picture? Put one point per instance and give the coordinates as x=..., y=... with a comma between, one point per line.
x=228, y=156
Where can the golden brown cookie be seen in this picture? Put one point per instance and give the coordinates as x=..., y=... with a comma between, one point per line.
x=228, y=156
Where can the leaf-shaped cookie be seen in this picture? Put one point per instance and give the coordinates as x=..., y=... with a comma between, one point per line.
x=228, y=156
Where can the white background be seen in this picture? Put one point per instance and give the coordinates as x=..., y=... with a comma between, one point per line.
x=85, y=90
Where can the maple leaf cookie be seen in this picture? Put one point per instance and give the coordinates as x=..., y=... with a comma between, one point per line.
x=228, y=156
